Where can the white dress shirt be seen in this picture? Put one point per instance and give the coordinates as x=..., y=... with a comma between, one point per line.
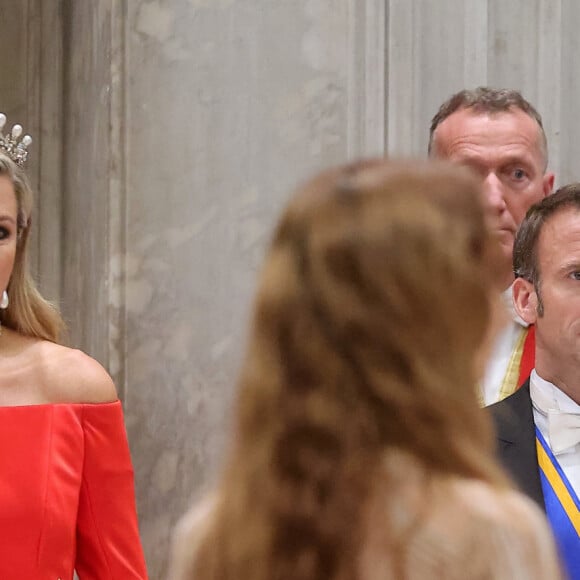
x=501, y=353
x=547, y=398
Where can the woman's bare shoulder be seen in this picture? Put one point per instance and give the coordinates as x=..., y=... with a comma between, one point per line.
x=509, y=529
x=502, y=506
x=187, y=537
x=71, y=376
x=466, y=524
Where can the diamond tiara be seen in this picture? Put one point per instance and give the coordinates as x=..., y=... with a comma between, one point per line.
x=12, y=145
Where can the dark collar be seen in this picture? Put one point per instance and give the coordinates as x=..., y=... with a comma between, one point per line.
x=514, y=416
x=516, y=437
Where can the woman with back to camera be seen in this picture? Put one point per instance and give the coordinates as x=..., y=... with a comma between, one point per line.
x=66, y=480
x=360, y=451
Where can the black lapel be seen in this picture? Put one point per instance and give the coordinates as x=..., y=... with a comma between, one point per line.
x=516, y=441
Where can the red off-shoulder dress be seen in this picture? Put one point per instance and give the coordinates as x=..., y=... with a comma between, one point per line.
x=66, y=494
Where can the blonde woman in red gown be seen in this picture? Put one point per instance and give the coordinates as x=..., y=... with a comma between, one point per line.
x=66, y=480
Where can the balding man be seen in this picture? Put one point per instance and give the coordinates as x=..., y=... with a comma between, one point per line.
x=500, y=135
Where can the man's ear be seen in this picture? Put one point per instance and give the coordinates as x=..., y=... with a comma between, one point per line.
x=548, y=183
x=525, y=300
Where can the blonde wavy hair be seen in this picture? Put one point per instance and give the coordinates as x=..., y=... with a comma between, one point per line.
x=28, y=313
x=373, y=302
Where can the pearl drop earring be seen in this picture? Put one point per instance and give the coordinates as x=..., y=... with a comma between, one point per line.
x=3, y=305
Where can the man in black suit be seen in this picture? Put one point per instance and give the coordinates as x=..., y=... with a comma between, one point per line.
x=542, y=419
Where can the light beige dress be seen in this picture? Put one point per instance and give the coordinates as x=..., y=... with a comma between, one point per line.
x=468, y=531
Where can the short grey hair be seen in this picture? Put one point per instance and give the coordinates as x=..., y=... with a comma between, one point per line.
x=488, y=100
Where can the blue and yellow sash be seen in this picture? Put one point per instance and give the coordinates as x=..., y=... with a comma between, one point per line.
x=562, y=507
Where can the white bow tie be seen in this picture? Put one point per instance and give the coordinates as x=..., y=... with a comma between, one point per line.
x=563, y=429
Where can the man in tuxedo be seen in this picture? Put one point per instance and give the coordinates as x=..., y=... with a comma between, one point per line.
x=538, y=427
x=499, y=134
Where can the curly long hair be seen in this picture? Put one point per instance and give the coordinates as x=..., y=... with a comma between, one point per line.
x=28, y=313
x=374, y=299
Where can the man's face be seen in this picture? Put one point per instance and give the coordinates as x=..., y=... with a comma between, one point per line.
x=505, y=149
x=558, y=329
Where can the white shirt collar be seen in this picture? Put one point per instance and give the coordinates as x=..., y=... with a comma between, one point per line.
x=558, y=419
x=547, y=397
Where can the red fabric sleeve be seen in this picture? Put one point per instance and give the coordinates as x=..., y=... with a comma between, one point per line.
x=108, y=543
